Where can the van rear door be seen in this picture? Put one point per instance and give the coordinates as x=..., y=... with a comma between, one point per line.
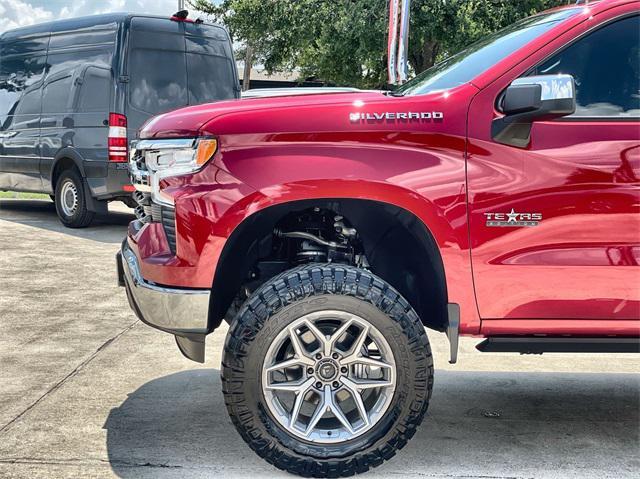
x=174, y=64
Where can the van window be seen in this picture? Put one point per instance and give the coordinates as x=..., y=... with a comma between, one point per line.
x=158, y=80
x=29, y=103
x=210, y=78
x=16, y=74
x=55, y=95
x=210, y=71
x=173, y=64
x=62, y=68
x=94, y=88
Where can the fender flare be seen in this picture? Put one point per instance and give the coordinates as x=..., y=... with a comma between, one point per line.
x=73, y=155
x=295, y=195
x=66, y=153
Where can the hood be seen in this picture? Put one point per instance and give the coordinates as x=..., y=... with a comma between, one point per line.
x=189, y=121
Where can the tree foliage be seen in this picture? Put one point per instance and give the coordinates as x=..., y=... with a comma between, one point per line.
x=344, y=41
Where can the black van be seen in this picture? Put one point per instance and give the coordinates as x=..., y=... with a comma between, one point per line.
x=74, y=92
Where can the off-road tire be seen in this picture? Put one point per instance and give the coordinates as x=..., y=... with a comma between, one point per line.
x=282, y=300
x=82, y=217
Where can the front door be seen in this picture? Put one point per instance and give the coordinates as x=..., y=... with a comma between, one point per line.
x=555, y=226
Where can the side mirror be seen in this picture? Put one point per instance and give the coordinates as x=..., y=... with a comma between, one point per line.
x=530, y=99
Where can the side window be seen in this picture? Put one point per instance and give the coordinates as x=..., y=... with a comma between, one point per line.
x=606, y=67
x=17, y=74
x=93, y=94
x=29, y=103
x=55, y=95
x=63, y=68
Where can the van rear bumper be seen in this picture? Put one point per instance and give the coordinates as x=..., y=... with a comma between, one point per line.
x=116, y=183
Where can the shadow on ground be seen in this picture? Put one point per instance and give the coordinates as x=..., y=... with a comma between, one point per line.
x=110, y=228
x=477, y=422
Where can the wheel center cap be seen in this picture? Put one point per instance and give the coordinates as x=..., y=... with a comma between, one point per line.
x=327, y=369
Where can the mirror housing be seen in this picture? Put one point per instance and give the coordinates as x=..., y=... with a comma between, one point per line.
x=529, y=99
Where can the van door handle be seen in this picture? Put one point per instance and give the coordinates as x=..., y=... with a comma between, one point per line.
x=8, y=134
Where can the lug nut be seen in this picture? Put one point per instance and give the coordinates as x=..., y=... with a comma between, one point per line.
x=319, y=385
x=318, y=356
x=335, y=356
x=309, y=370
x=344, y=370
x=336, y=384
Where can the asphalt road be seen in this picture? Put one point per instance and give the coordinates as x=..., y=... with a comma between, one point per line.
x=86, y=390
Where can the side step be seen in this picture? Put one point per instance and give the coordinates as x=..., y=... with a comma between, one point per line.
x=539, y=345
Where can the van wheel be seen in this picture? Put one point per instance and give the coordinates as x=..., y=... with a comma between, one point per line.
x=71, y=204
x=326, y=371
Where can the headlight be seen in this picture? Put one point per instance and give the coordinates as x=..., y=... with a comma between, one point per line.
x=153, y=160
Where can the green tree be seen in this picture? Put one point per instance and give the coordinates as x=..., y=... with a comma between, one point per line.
x=344, y=41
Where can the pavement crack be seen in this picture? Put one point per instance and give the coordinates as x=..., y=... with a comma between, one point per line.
x=75, y=371
x=69, y=462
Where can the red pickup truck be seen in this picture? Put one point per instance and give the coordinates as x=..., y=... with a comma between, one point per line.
x=495, y=195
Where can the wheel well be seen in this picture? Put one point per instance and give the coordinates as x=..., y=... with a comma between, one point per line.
x=61, y=165
x=397, y=246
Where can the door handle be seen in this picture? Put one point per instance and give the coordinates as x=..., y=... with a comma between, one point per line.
x=8, y=134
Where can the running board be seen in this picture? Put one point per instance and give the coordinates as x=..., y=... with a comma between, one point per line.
x=539, y=345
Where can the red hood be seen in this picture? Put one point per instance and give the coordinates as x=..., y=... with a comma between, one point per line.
x=190, y=120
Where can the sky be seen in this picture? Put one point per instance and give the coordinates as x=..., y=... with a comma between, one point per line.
x=18, y=13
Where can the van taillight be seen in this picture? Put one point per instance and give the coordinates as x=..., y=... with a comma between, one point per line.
x=117, y=141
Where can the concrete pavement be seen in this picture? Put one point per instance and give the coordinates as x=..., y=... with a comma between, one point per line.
x=86, y=390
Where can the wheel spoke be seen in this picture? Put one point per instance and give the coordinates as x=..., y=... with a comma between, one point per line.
x=356, y=349
x=366, y=361
x=335, y=336
x=334, y=407
x=325, y=343
x=321, y=408
x=298, y=348
x=291, y=386
x=357, y=398
x=297, y=405
x=289, y=363
x=361, y=384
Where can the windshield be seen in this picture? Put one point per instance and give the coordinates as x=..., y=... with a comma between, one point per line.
x=466, y=65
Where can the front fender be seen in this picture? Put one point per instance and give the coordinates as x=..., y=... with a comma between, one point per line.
x=211, y=205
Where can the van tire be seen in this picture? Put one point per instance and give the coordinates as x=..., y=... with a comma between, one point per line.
x=70, y=200
x=279, y=305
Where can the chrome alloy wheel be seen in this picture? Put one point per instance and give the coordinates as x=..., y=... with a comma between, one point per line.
x=69, y=198
x=329, y=377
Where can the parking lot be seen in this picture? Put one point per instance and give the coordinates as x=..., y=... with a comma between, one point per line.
x=86, y=390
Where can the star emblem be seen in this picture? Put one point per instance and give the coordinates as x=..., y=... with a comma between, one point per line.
x=513, y=216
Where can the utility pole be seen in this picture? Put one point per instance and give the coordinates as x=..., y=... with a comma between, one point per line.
x=246, y=74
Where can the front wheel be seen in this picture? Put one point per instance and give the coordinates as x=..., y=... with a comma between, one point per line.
x=70, y=200
x=327, y=371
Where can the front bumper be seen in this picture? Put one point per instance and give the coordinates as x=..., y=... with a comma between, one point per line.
x=183, y=312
